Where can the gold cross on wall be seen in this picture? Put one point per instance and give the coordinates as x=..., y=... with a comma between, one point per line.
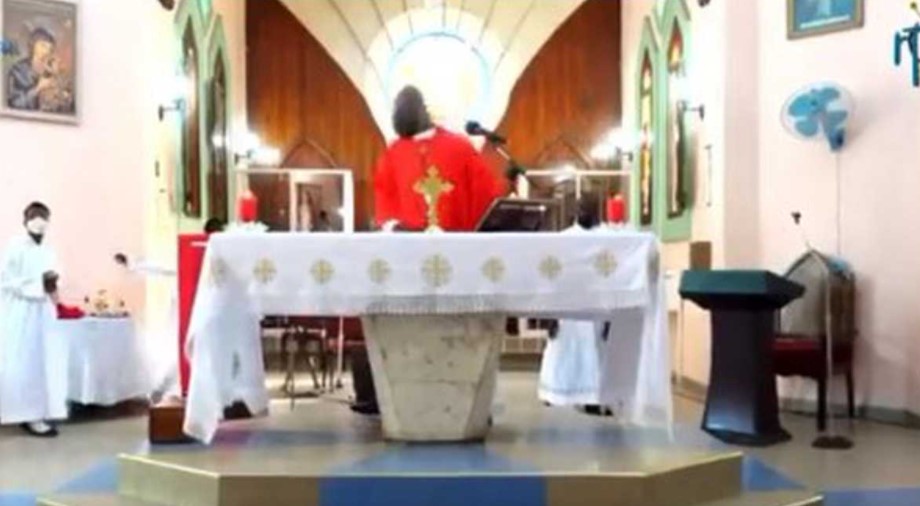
x=432, y=188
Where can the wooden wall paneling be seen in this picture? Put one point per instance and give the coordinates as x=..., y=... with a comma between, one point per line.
x=301, y=102
x=570, y=94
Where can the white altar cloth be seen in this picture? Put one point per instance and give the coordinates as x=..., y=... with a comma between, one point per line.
x=600, y=276
x=106, y=361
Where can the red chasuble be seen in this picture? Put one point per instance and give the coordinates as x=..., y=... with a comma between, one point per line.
x=475, y=185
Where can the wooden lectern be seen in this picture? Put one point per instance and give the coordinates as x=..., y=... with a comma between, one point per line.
x=741, y=406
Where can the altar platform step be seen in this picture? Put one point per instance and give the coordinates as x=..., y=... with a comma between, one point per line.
x=322, y=454
x=785, y=498
x=93, y=500
x=295, y=478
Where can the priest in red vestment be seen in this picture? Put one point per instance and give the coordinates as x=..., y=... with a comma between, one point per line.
x=421, y=146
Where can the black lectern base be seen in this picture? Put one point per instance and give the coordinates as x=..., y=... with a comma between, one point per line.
x=744, y=439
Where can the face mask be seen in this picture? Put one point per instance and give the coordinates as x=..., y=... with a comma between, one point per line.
x=37, y=226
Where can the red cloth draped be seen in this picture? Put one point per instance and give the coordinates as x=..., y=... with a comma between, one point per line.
x=65, y=312
x=191, y=259
x=407, y=161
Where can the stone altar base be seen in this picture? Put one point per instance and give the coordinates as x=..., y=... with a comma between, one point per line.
x=435, y=376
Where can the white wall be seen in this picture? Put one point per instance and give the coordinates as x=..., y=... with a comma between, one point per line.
x=881, y=181
x=707, y=71
x=92, y=175
x=162, y=224
x=747, y=68
x=98, y=177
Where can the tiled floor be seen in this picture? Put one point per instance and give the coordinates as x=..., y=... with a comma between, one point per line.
x=882, y=470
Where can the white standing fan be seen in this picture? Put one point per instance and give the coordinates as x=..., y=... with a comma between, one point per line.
x=815, y=112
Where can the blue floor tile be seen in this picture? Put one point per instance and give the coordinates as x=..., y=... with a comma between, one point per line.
x=16, y=499
x=759, y=477
x=888, y=497
x=101, y=478
x=462, y=491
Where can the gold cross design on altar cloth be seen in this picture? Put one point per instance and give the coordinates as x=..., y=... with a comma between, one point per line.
x=605, y=263
x=494, y=269
x=432, y=188
x=550, y=268
x=217, y=272
x=379, y=271
x=437, y=271
x=322, y=272
x=264, y=271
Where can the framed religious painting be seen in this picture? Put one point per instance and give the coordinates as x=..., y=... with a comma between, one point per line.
x=218, y=171
x=646, y=149
x=41, y=65
x=319, y=201
x=676, y=127
x=806, y=18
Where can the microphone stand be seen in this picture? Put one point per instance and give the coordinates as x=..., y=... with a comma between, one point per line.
x=514, y=170
x=831, y=440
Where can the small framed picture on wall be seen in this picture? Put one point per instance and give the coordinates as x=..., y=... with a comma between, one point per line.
x=40, y=65
x=806, y=18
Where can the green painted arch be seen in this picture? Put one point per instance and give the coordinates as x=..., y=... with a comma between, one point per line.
x=188, y=14
x=648, y=45
x=673, y=228
x=217, y=49
x=204, y=6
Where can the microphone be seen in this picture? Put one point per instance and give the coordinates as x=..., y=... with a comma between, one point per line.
x=514, y=171
x=473, y=128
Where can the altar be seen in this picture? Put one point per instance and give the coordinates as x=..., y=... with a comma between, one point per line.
x=433, y=306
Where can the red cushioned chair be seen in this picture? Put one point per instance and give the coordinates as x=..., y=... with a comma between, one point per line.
x=801, y=340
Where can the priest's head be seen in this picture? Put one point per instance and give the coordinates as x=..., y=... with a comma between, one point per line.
x=410, y=115
x=36, y=217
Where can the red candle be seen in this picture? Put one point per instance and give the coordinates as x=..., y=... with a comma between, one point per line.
x=616, y=209
x=247, y=207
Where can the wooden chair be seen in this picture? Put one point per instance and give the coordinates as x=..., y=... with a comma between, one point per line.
x=354, y=340
x=801, y=340
x=302, y=340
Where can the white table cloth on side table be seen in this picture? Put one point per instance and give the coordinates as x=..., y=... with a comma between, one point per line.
x=106, y=362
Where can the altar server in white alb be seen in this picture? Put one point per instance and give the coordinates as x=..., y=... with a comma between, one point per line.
x=162, y=340
x=570, y=370
x=33, y=356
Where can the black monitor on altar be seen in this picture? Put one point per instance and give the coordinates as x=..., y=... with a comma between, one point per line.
x=519, y=215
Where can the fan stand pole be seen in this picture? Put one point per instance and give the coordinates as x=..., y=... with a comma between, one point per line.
x=831, y=440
